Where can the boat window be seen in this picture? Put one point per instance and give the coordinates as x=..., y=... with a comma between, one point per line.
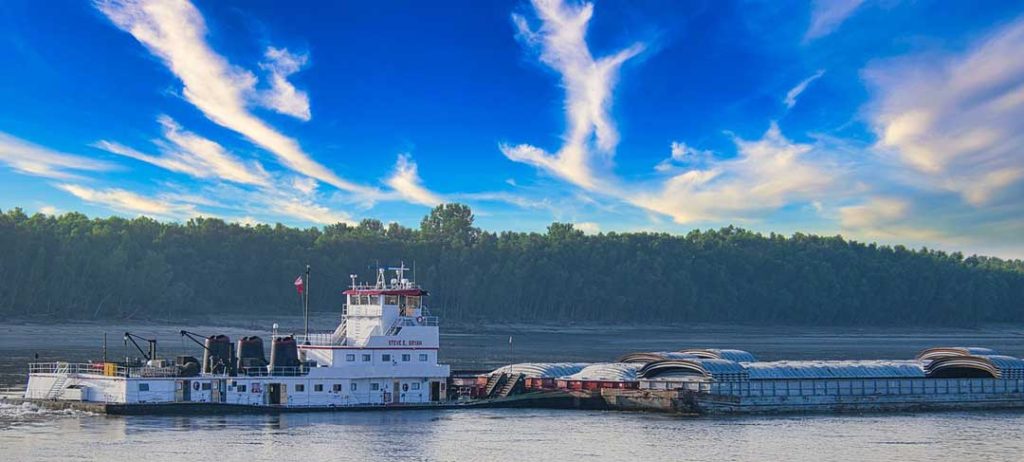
x=385, y=357
x=241, y=388
x=423, y=356
x=206, y=385
x=406, y=357
x=366, y=358
x=375, y=386
x=336, y=387
x=405, y=387
x=355, y=386
x=350, y=357
x=390, y=299
x=374, y=300
x=318, y=387
x=416, y=386
x=300, y=387
x=143, y=387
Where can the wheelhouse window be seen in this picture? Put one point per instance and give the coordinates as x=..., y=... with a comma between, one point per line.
x=390, y=299
x=375, y=386
x=206, y=386
x=374, y=300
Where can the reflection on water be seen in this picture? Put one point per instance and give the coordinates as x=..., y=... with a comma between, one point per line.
x=28, y=433
x=508, y=434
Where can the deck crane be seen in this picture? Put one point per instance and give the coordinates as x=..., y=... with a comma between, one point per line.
x=130, y=337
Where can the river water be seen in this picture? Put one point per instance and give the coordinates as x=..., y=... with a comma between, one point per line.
x=28, y=433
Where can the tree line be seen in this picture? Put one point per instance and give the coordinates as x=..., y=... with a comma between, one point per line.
x=73, y=267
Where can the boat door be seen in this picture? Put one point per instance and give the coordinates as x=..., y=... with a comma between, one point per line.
x=274, y=393
x=396, y=392
x=435, y=391
x=217, y=393
x=185, y=392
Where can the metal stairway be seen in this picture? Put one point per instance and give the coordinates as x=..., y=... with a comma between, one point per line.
x=340, y=334
x=494, y=382
x=57, y=389
x=511, y=385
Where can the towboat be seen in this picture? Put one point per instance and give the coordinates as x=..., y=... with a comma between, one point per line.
x=383, y=353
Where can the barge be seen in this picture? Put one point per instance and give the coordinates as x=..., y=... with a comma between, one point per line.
x=384, y=355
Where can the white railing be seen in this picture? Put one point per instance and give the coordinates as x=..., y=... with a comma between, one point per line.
x=364, y=310
x=69, y=368
x=63, y=368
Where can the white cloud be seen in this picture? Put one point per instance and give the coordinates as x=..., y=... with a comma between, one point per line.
x=879, y=211
x=175, y=32
x=765, y=175
x=32, y=159
x=588, y=227
x=283, y=97
x=828, y=15
x=406, y=181
x=956, y=120
x=49, y=210
x=683, y=154
x=188, y=153
x=130, y=202
x=795, y=92
x=305, y=210
x=890, y=219
x=588, y=83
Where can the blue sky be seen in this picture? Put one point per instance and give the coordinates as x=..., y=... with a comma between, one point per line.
x=890, y=121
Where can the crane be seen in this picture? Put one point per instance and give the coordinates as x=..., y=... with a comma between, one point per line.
x=130, y=337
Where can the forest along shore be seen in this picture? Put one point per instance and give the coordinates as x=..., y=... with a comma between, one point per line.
x=75, y=267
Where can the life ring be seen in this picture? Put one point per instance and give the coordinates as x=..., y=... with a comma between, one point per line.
x=419, y=319
x=195, y=386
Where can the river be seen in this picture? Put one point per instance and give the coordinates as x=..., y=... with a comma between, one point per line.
x=28, y=433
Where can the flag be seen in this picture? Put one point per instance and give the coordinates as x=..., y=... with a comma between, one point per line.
x=299, y=286
x=510, y=339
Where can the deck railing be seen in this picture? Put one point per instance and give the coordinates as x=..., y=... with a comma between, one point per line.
x=107, y=369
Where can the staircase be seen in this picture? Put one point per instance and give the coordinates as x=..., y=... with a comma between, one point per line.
x=340, y=334
x=494, y=382
x=57, y=389
x=512, y=385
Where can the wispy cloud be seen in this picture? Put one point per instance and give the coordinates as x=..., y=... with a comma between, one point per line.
x=766, y=174
x=406, y=181
x=828, y=15
x=130, y=202
x=796, y=91
x=683, y=154
x=282, y=96
x=588, y=82
x=956, y=120
x=31, y=159
x=188, y=153
x=175, y=31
